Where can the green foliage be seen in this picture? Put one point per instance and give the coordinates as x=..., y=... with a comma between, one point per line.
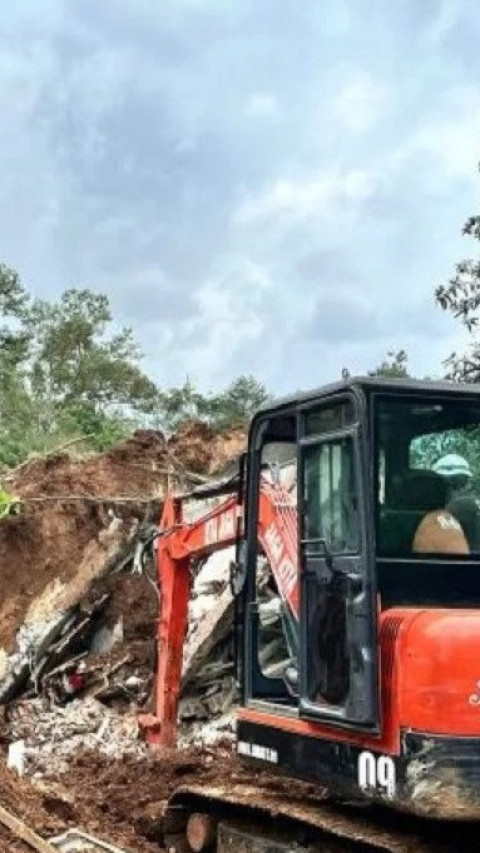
x=101, y=429
x=395, y=366
x=13, y=305
x=428, y=449
x=178, y=405
x=63, y=374
x=238, y=403
x=9, y=504
x=74, y=359
x=461, y=298
x=232, y=407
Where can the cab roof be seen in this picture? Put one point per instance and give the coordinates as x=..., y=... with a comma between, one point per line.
x=371, y=384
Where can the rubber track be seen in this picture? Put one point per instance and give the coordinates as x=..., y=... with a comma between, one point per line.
x=371, y=828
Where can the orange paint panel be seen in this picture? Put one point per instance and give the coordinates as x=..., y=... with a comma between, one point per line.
x=439, y=673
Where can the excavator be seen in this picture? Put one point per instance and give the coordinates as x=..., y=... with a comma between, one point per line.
x=371, y=720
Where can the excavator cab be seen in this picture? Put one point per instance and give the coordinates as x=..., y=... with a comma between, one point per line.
x=377, y=690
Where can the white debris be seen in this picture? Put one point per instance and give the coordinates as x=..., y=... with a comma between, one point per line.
x=211, y=580
x=52, y=736
x=16, y=757
x=105, y=639
x=209, y=732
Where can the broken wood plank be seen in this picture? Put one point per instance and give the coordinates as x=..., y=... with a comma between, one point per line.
x=25, y=833
x=215, y=625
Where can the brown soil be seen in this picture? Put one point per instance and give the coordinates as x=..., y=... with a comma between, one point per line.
x=49, y=539
x=51, y=810
x=45, y=543
x=127, y=792
x=201, y=450
x=133, y=601
x=120, y=801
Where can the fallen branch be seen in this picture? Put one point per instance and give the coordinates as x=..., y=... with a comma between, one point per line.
x=91, y=499
x=25, y=833
x=71, y=441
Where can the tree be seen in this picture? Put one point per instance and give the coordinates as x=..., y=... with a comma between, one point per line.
x=395, y=366
x=15, y=405
x=233, y=407
x=461, y=298
x=178, y=405
x=238, y=403
x=74, y=359
x=63, y=372
x=13, y=305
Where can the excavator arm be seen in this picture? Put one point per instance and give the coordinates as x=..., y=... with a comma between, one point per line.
x=180, y=542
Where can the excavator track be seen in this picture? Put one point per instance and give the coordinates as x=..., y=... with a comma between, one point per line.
x=252, y=820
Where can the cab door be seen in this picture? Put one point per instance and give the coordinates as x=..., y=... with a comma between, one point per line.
x=338, y=648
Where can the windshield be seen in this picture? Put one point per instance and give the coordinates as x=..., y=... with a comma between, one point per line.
x=428, y=477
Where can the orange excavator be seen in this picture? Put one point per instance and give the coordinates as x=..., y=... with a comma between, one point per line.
x=374, y=557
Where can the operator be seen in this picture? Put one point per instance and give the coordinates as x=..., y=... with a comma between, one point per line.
x=461, y=500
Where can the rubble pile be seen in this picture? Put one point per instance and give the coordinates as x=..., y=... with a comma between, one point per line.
x=50, y=735
x=77, y=597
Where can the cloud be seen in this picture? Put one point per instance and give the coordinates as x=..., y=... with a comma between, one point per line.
x=228, y=320
x=360, y=102
x=263, y=105
x=449, y=15
x=452, y=137
x=300, y=198
x=336, y=17
x=345, y=319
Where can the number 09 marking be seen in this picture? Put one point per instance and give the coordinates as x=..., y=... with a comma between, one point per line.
x=377, y=772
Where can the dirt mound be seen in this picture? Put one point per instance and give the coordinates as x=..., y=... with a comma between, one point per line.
x=133, y=468
x=136, y=467
x=69, y=503
x=199, y=449
x=36, y=548
x=128, y=791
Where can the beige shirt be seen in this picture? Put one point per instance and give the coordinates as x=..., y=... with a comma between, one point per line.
x=439, y=532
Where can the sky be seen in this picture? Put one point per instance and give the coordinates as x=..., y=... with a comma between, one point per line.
x=271, y=187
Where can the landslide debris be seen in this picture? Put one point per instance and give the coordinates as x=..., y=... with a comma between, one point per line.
x=73, y=590
x=69, y=503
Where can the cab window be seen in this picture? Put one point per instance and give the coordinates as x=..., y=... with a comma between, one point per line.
x=329, y=494
x=428, y=477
